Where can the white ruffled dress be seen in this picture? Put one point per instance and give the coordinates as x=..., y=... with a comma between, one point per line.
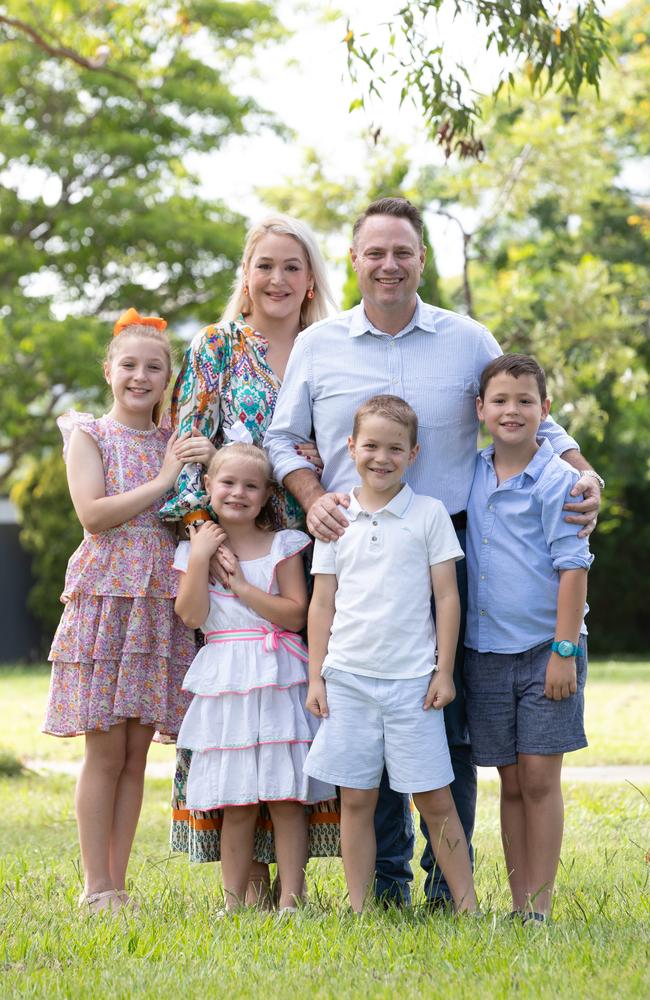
x=247, y=726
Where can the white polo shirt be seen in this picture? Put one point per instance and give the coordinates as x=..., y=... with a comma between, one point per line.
x=383, y=625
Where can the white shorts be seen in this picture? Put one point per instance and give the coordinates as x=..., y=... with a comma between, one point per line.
x=374, y=722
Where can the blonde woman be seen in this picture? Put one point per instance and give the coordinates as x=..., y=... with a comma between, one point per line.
x=232, y=373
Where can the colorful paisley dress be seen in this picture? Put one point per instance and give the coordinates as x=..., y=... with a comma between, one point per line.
x=225, y=378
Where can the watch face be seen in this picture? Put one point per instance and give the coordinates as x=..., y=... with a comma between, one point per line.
x=565, y=648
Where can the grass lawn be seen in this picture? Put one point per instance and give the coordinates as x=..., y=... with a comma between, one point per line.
x=598, y=946
x=617, y=710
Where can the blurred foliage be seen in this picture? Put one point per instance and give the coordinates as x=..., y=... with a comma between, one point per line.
x=101, y=104
x=558, y=264
x=50, y=532
x=561, y=44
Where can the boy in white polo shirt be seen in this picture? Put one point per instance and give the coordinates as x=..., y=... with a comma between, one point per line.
x=373, y=677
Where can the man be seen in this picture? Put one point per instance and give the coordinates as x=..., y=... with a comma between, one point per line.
x=395, y=343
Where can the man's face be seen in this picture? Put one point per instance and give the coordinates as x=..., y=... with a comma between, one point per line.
x=388, y=259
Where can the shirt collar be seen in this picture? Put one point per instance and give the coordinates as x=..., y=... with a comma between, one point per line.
x=537, y=463
x=422, y=319
x=398, y=506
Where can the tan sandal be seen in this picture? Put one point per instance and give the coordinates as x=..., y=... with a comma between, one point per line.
x=93, y=903
x=128, y=901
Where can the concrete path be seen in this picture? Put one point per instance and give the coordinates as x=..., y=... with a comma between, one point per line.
x=635, y=774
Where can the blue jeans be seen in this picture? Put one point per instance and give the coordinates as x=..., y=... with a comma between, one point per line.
x=393, y=818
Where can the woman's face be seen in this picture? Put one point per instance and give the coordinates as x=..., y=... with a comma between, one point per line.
x=278, y=277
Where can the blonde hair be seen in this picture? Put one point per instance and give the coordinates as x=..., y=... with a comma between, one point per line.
x=256, y=453
x=144, y=333
x=392, y=408
x=311, y=310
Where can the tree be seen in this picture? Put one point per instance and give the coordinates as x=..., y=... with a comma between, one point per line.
x=557, y=260
x=562, y=44
x=101, y=104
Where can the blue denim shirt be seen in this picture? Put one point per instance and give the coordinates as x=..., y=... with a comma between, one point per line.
x=517, y=542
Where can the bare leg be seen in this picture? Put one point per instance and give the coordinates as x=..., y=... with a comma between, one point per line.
x=95, y=802
x=290, y=827
x=513, y=835
x=358, y=844
x=541, y=787
x=128, y=799
x=237, y=837
x=258, y=892
x=449, y=844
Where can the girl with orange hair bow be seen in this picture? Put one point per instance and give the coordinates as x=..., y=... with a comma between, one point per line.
x=120, y=653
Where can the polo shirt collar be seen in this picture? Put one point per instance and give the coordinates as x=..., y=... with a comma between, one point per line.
x=420, y=320
x=537, y=464
x=398, y=506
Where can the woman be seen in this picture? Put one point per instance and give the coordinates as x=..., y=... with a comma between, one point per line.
x=232, y=373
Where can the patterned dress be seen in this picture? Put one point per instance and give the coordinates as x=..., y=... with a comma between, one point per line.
x=225, y=378
x=120, y=651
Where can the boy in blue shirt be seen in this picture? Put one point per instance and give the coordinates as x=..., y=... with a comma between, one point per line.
x=526, y=658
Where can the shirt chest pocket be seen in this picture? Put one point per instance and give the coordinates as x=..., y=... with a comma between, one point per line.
x=440, y=402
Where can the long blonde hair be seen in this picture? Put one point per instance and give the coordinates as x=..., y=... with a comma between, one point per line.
x=283, y=225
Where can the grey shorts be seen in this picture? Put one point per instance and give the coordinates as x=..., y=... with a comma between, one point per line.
x=507, y=712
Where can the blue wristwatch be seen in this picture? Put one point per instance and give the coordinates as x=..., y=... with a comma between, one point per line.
x=565, y=648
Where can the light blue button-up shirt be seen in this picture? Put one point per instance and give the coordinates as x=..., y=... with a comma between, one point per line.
x=434, y=363
x=517, y=542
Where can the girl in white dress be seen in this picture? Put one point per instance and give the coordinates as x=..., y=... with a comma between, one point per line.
x=247, y=726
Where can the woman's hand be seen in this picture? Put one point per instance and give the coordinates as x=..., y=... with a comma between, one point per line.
x=205, y=538
x=172, y=466
x=308, y=450
x=194, y=447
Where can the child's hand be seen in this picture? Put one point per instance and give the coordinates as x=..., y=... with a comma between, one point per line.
x=171, y=466
x=317, y=699
x=236, y=579
x=194, y=447
x=561, y=680
x=221, y=565
x=441, y=691
x=206, y=537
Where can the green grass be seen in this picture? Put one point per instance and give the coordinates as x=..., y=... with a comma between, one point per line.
x=598, y=945
x=617, y=711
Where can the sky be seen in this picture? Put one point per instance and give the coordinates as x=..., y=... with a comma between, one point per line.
x=306, y=83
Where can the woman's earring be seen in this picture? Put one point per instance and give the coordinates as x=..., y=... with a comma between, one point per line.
x=310, y=293
x=246, y=290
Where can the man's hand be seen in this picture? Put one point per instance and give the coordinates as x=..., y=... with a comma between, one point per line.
x=325, y=521
x=441, y=691
x=586, y=511
x=317, y=699
x=561, y=680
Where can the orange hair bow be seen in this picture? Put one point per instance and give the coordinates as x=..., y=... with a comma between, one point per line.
x=132, y=316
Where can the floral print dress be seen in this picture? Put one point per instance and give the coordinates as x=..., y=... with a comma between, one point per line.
x=120, y=651
x=225, y=378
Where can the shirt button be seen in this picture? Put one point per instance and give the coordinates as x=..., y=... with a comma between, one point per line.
x=483, y=612
x=374, y=538
x=491, y=506
x=482, y=576
x=375, y=523
x=485, y=541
